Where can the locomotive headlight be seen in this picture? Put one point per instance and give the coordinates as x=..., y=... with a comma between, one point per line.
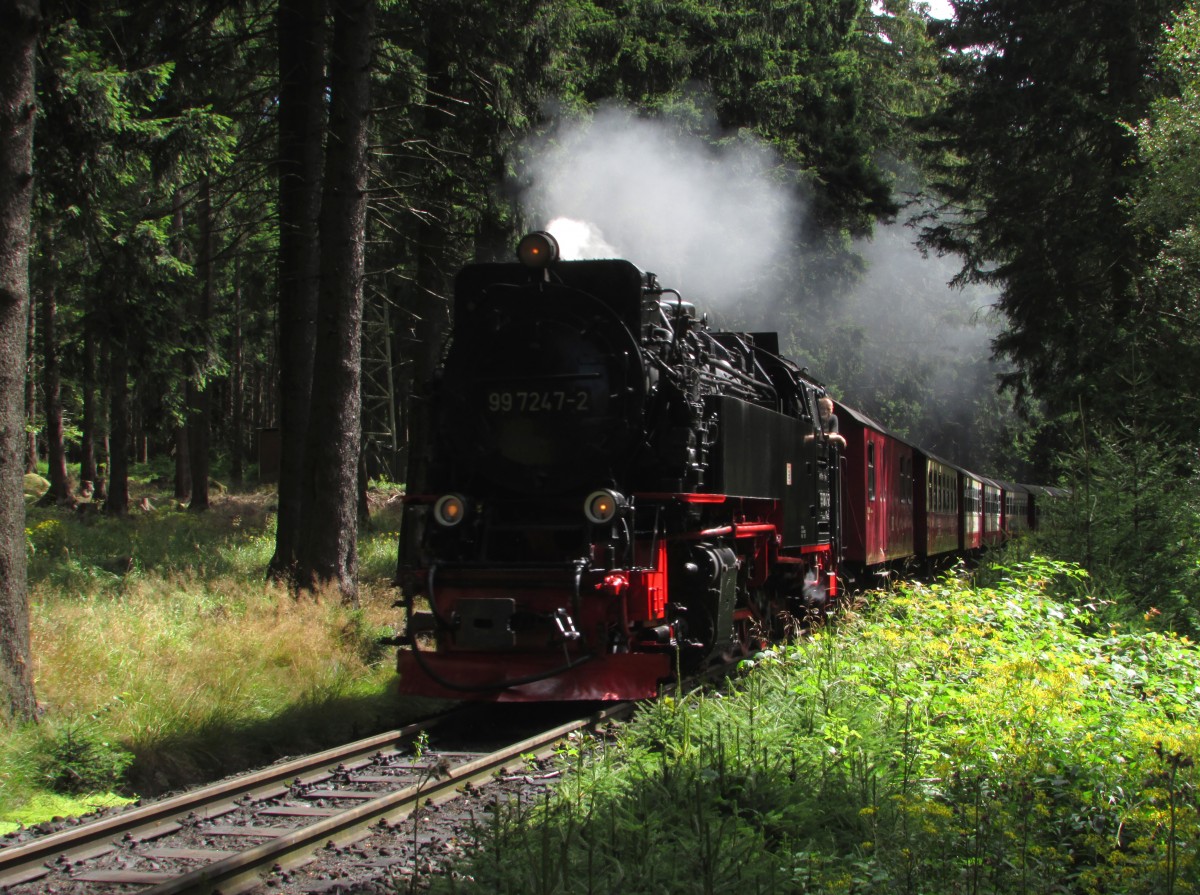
x=449, y=510
x=537, y=250
x=601, y=506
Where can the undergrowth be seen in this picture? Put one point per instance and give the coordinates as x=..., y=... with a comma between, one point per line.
x=951, y=738
x=163, y=658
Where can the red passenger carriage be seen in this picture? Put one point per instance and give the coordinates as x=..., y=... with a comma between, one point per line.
x=993, y=531
x=1016, y=506
x=938, y=507
x=878, y=470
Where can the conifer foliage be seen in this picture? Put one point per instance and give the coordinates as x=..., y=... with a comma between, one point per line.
x=1038, y=169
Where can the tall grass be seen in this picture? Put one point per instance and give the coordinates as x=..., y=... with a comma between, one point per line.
x=951, y=739
x=163, y=657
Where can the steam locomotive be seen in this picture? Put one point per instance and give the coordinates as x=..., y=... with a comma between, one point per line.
x=616, y=493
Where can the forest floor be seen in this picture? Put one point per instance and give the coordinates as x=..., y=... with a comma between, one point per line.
x=164, y=658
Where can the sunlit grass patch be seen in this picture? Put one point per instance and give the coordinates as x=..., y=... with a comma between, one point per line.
x=169, y=658
x=159, y=639
x=377, y=554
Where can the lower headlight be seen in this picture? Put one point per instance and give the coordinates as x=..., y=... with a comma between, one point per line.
x=601, y=506
x=449, y=510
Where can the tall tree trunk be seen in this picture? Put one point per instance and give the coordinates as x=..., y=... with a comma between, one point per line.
x=301, y=29
x=137, y=425
x=31, y=447
x=104, y=424
x=19, y=22
x=59, y=492
x=427, y=305
x=237, y=435
x=183, y=463
x=87, y=448
x=329, y=531
x=199, y=386
x=116, y=501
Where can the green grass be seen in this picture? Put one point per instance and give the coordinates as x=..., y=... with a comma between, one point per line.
x=163, y=658
x=949, y=738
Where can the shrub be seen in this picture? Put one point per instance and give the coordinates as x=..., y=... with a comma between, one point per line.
x=76, y=758
x=217, y=669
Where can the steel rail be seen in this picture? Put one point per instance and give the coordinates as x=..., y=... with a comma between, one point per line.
x=17, y=862
x=26, y=863
x=243, y=871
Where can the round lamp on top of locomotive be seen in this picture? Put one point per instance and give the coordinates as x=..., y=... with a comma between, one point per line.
x=537, y=250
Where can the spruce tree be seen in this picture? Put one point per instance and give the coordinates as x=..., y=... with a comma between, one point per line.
x=1038, y=164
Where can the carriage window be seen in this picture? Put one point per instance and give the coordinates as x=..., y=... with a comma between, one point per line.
x=870, y=470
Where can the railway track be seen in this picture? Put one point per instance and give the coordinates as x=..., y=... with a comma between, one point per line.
x=226, y=837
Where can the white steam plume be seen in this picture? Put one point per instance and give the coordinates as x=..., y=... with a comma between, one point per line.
x=710, y=221
x=580, y=240
x=723, y=225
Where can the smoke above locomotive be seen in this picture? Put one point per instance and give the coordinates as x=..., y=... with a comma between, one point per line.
x=714, y=219
x=719, y=216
